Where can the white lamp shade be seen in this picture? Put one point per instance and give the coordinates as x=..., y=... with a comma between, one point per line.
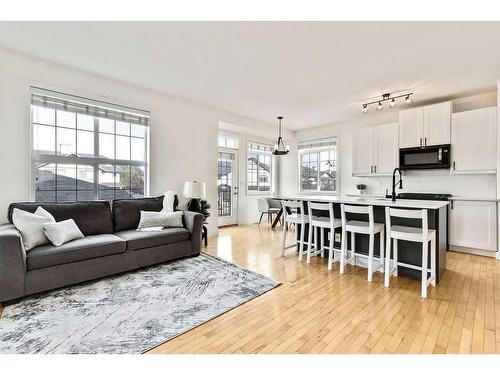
x=194, y=189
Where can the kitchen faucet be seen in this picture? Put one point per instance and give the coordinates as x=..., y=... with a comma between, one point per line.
x=394, y=183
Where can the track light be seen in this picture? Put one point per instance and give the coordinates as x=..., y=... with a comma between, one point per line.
x=387, y=97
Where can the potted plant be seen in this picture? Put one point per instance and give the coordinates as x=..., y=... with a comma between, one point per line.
x=361, y=188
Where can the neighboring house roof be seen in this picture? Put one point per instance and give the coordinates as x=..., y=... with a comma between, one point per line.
x=46, y=184
x=225, y=168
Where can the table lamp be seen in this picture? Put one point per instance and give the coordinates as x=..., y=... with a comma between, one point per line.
x=195, y=191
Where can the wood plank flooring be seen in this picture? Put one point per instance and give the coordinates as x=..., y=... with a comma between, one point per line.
x=316, y=311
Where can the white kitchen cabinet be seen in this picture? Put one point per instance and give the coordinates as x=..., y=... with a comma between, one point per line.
x=473, y=225
x=363, y=153
x=411, y=127
x=425, y=126
x=437, y=119
x=473, y=141
x=376, y=150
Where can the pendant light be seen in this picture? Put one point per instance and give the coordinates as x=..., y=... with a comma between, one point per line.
x=279, y=147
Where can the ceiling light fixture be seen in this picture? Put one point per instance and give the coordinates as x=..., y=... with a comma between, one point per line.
x=387, y=97
x=279, y=147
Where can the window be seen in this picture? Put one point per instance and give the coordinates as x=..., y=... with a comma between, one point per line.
x=85, y=150
x=228, y=141
x=318, y=165
x=259, y=168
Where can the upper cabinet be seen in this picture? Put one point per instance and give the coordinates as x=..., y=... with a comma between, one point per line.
x=474, y=141
x=375, y=150
x=425, y=126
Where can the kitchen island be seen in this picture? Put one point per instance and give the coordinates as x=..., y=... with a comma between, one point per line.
x=409, y=252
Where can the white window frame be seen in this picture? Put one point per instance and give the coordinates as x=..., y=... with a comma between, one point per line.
x=271, y=182
x=85, y=161
x=317, y=150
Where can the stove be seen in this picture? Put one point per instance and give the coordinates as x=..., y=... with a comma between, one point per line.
x=423, y=196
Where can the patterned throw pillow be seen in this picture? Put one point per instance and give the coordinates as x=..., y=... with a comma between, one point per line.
x=154, y=219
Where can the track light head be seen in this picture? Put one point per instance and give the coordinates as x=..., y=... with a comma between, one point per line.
x=392, y=104
x=380, y=106
x=408, y=99
x=365, y=109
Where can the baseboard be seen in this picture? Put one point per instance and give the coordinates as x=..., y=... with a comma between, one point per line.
x=468, y=250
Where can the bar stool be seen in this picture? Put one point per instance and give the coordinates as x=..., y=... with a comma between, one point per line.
x=422, y=235
x=319, y=223
x=294, y=218
x=361, y=227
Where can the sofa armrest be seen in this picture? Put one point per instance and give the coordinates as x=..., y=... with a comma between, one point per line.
x=12, y=263
x=193, y=222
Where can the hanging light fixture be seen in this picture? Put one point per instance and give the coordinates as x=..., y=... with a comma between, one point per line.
x=387, y=97
x=279, y=147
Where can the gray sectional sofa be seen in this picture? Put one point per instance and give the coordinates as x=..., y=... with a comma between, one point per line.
x=111, y=245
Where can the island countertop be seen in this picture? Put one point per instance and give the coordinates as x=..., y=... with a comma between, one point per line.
x=369, y=201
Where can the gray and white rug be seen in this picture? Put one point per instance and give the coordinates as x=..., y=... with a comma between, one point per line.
x=129, y=313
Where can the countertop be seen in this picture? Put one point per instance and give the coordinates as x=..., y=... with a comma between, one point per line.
x=385, y=202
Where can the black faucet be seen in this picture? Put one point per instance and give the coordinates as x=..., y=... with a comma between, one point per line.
x=394, y=183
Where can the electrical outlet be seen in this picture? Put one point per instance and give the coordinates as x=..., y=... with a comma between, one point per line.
x=337, y=237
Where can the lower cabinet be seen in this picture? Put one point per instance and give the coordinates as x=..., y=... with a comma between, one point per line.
x=473, y=225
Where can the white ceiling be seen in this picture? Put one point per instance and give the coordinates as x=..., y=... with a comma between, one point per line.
x=313, y=73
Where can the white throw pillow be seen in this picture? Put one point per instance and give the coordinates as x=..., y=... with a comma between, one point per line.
x=61, y=232
x=154, y=219
x=30, y=226
x=168, y=201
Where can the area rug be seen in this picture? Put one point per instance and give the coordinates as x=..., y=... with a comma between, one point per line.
x=129, y=313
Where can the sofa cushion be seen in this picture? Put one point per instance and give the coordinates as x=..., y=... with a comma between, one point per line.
x=74, y=251
x=91, y=217
x=140, y=239
x=127, y=212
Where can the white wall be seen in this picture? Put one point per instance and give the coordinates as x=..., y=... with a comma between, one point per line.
x=435, y=181
x=183, y=134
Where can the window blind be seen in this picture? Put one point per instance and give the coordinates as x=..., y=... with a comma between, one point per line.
x=76, y=104
x=318, y=143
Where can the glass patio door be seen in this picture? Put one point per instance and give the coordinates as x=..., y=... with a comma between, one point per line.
x=227, y=187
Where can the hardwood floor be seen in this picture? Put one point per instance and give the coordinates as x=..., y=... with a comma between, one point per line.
x=316, y=311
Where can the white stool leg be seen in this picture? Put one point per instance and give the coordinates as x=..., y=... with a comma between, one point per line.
x=382, y=251
x=353, y=248
x=425, y=250
x=370, y=257
x=395, y=256
x=285, y=229
x=387, y=275
x=322, y=242
x=301, y=245
x=330, y=249
x=433, y=261
x=343, y=245
x=309, y=243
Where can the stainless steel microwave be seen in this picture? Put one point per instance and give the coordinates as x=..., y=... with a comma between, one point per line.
x=430, y=157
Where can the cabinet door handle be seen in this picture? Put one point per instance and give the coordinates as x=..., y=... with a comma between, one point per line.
x=426, y=141
x=420, y=142
x=453, y=165
x=452, y=205
x=375, y=169
x=371, y=168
